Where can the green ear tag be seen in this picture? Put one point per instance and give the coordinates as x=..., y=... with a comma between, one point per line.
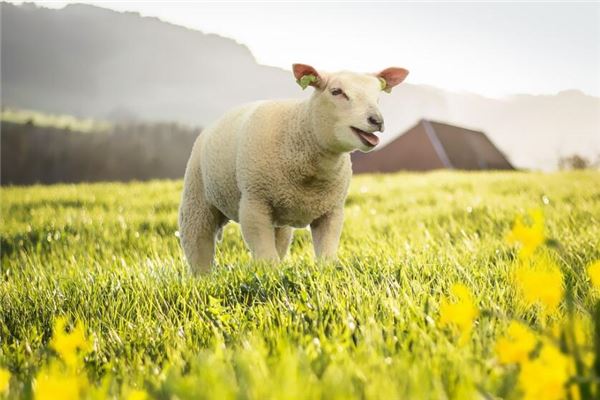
x=384, y=85
x=306, y=80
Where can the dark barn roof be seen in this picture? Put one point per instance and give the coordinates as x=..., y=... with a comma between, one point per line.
x=432, y=145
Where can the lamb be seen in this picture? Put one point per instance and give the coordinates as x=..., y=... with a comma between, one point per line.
x=277, y=165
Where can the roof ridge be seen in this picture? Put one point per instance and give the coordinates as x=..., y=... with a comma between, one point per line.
x=437, y=145
x=477, y=131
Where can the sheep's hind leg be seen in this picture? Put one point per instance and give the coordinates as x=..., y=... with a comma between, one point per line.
x=198, y=231
x=199, y=223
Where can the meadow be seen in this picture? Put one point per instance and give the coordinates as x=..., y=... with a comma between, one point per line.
x=46, y=120
x=107, y=257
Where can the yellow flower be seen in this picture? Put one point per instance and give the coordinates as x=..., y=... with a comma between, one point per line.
x=574, y=392
x=577, y=332
x=588, y=358
x=529, y=237
x=67, y=345
x=540, y=282
x=137, y=394
x=53, y=384
x=4, y=380
x=545, y=376
x=460, y=313
x=593, y=271
x=516, y=345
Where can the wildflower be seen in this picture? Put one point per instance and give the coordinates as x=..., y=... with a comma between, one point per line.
x=137, y=394
x=516, y=346
x=593, y=271
x=67, y=345
x=540, y=282
x=461, y=313
x=4, y=380
x=52, y=384
x=529, y=237
x=576, y=333
x=578, y=330
x=574, y=392
x=545, y=376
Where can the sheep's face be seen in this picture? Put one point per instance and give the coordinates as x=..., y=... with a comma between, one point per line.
x=346, y=103
x=352, y=103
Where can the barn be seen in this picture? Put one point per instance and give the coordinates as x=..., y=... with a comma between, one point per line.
x=433, y=145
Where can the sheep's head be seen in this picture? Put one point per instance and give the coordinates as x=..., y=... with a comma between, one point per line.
x=346, y=104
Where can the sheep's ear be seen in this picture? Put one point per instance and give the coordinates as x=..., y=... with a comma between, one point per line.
x=307, y=76
x=391, y=77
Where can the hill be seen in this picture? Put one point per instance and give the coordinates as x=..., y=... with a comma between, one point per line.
x=122, y=66
x=93, y=62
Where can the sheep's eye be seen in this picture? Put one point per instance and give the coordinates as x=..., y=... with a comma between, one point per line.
x=338, y=91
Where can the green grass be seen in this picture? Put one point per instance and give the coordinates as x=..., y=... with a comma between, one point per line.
x=108, y=255
x=41, y=119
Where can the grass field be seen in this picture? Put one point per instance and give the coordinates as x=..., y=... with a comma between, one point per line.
x=366, y=327
x=40, y=119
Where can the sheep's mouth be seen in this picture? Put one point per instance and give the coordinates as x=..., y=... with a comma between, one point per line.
x=369, y=139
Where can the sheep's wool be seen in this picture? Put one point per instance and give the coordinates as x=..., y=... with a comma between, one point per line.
x=277, y=165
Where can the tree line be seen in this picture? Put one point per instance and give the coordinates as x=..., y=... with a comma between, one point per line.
x=34, y=154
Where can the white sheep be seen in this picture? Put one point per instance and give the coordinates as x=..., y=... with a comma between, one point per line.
x=277, y=165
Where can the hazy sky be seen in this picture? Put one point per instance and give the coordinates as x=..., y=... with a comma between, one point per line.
x=492, y=49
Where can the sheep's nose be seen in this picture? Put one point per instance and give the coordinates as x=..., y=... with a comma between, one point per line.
x=376, y=120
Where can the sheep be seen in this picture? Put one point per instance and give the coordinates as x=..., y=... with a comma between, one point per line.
x=277, y=165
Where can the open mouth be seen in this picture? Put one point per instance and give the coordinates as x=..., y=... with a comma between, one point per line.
x=369, y=139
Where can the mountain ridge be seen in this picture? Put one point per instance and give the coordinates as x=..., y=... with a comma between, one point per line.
x=95, y=62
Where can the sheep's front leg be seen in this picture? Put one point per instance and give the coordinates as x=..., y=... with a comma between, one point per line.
x=326, y=232
x=257, y=229
x=283, y=239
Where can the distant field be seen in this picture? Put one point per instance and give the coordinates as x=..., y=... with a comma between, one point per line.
x=366, y=327
x=46, y=120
